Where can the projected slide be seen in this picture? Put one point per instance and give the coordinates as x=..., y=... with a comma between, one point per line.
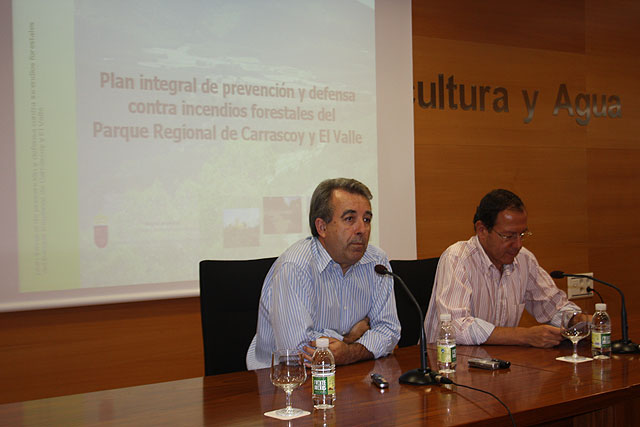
x=153, y=134
x=139, y=138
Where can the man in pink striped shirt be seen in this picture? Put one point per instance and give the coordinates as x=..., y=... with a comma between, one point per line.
x=487, y=281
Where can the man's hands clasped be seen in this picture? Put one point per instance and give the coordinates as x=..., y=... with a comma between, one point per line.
x=347, y=350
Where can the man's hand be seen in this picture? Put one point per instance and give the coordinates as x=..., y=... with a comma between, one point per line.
x=343, y=353
x=544, y=336
x=356, y=331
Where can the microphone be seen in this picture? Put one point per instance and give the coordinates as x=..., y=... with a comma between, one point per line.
x=422, y=375
x=625, y=345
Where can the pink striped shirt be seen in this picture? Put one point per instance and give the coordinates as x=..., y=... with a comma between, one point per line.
x=479, y=298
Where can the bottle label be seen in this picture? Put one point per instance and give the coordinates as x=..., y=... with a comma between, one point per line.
x=324, y=384
x=600, y=340
x=446, y=353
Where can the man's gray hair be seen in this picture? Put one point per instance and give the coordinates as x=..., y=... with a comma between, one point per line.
x=321, y=199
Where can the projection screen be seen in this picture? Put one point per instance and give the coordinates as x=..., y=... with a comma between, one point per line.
x=142, y=137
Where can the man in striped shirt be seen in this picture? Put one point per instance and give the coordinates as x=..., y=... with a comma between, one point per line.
x=326, y=285
x=487, y=281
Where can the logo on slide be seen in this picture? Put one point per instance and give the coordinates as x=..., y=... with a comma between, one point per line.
x=101, y=232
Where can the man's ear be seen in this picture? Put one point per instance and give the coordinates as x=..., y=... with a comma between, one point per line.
x=321, y=227
x=480, y=228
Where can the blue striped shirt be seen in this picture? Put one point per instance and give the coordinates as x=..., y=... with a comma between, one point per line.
x=305, y=296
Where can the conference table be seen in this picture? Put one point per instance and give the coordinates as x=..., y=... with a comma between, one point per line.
x=537, y=389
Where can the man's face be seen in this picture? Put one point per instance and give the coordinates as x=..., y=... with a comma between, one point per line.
x=503, y=242
x=346, y=236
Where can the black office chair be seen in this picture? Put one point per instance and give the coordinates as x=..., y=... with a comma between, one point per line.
x=419, y=276
x=229, y=297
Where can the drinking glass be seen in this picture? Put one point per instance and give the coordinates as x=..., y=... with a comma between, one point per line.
x=288, y=373
x=575, y=326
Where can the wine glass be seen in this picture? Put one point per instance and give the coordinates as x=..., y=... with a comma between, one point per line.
x=288, y=372
x=575, y=326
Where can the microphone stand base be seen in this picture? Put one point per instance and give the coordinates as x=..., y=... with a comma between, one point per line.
x=416, y=377
x=624, y=347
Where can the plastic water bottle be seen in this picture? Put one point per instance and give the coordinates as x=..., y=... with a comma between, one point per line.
x=601, y=333
x=323, y=376
x=446, y=345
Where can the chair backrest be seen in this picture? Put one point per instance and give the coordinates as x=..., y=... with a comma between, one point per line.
x=419, y=276
x=229, y=298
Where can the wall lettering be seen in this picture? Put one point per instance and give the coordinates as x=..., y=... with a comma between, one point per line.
x=451, y=95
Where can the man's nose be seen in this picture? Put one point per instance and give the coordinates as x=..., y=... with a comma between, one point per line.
x=518, y=242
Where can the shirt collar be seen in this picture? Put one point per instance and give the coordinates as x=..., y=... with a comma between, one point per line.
x=323, y=259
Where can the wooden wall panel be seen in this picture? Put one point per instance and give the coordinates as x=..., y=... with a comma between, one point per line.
x=615, y=75
x=614, y=200
x=613, y=154
x=461, y=155
x=612, y=28
x=451, y=188
x=580, y=183
x=56, y=352
x=544, y=24
x=515, y=70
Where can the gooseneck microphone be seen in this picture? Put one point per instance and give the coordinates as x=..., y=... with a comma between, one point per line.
x=422, y=375
x=625, y=345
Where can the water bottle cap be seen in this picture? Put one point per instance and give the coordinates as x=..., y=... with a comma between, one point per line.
x=322, y=342
x=445, y=317
x=601, y=307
